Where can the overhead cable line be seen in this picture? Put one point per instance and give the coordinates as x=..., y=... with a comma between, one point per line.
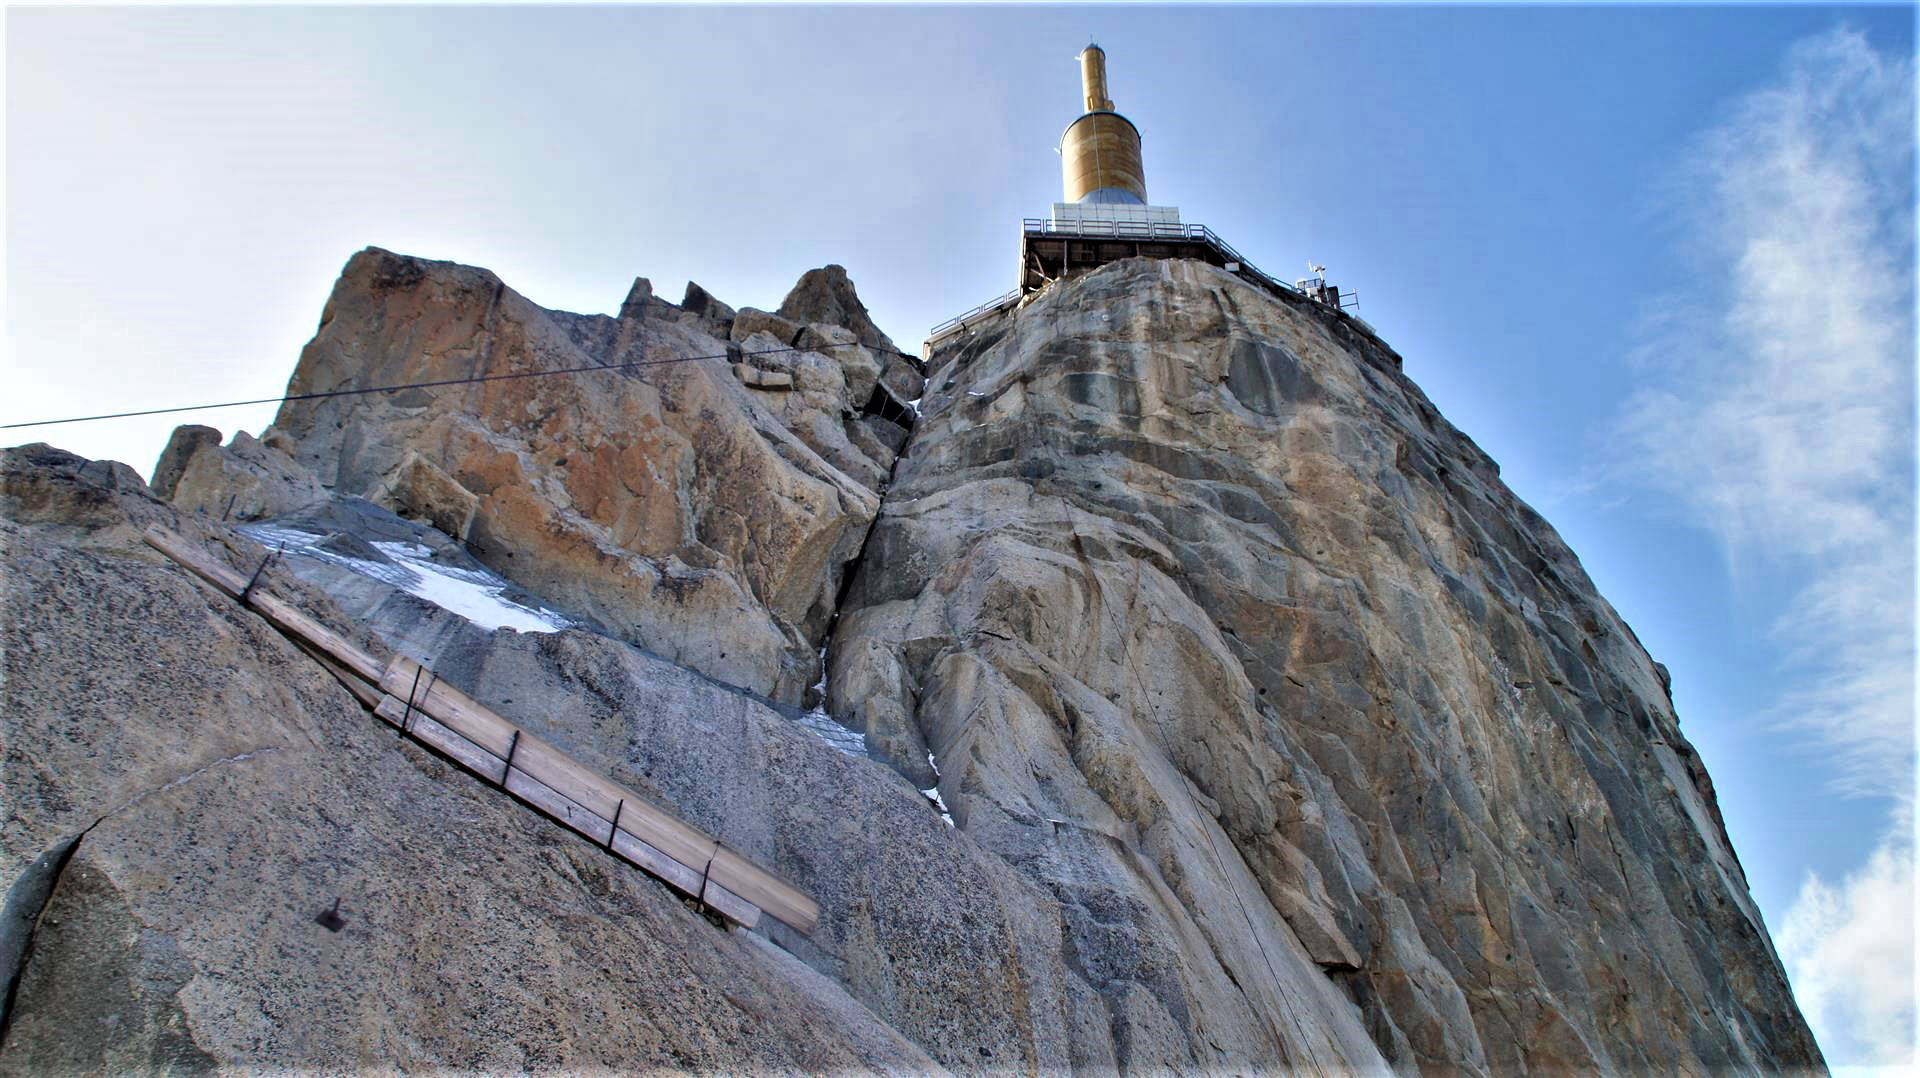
x=630, y=365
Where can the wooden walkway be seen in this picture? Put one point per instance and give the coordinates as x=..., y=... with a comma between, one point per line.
x=440, y=716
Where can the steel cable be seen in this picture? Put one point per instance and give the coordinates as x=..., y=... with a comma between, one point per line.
x=591, y=368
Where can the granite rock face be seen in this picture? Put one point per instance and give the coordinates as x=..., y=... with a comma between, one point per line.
x=185, y=442
x=1214, y=627
x=690, y=513
x=1196, y=699
x=176, y=824
x=187, y=792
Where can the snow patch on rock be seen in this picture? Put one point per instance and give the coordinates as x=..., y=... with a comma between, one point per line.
x=474, y=594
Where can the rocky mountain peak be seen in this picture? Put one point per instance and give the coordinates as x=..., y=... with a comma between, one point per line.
x=827, y=295
x=1149, y=679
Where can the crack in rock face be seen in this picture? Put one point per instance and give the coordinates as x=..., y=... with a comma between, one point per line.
x=90, y=954
x=26, y=900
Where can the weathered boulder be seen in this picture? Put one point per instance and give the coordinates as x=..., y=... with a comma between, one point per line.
x=902, y=379
x=246, y=479
x=702, y=305
x=760, y=379
x=418, y=489
x=690, y=514
x=827, y=295
x=861, y=367
x=1205, y=619
x=186, y=441
x=880, y=439
x=750, y=321
x=821, y=337
x=639, y=298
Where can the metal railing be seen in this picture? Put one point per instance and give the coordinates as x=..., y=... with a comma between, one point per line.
x=959, y=320
x=1121, y=230
x=1146, y=230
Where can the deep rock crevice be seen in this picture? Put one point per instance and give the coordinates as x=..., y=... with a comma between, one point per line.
x=27, y=900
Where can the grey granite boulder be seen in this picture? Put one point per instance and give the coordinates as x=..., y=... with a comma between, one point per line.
x=827, y=295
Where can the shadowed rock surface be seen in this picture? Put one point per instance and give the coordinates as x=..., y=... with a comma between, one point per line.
x=1276, y=734
x=210, y=790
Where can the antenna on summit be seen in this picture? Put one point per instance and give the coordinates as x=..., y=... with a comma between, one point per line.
x=1100, y=151
x=1315, y=285
x=1093, y=80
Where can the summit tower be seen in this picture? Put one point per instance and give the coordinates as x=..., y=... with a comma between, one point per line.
x=1104, y=216
x=1100, y=151
x=1103, y=178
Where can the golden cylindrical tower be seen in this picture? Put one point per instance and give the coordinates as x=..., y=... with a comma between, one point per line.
x=1100, y=151
x=1093, y=79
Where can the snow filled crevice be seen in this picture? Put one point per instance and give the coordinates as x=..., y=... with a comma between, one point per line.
x=933, y=794
x=823, y=724
x=818, y=719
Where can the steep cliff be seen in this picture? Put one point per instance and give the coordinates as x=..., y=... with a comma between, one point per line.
x=1260, y=726
x=1183, y=586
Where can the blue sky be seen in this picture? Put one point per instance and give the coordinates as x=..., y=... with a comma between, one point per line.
x=1593, y=234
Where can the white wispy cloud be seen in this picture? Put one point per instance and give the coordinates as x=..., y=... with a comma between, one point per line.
x=1779, y=412
x=1851, y=949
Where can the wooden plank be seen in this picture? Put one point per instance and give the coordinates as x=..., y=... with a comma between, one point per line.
x=276, y=610
x=731, y=905
x=765, y=890
x=430, y=732
x=365, y=692
x=546, y=762
x=195, y=559
x=666, y=832
x=681, y=877
x=648, y=856
x=660, y=829
x=562, y=772
x=289, y=619
x=557, y=805
x=406, y=679
x=449, y=720
x=686, y=880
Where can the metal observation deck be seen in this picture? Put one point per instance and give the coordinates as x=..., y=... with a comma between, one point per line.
x=1050, y=251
